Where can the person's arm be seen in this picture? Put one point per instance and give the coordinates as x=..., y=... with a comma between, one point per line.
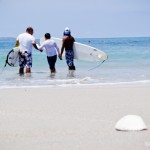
x=34, y=43
x=59, y=55
x=17, y=43
x=63, y=46
x=36, y=46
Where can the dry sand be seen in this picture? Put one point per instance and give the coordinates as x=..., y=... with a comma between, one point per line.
x=73, y=118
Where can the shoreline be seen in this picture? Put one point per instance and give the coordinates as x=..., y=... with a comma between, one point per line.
x=71, y=85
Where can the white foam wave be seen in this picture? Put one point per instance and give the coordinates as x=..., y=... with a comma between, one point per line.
x=72, y=82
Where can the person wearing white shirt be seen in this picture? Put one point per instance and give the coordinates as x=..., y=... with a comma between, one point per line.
x=52, y=51
x=26, y=41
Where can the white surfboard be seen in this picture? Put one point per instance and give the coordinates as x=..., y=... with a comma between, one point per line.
x=13, y=57
x=82, y=51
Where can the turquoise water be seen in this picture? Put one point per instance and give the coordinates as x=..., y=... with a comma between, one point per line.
x=128, y=62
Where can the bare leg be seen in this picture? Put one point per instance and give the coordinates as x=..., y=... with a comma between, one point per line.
x=28, y=70
x=21, y=71
x=53, y=71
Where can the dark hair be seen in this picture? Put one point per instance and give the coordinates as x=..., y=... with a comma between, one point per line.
x=29, y=30
x=47, y=35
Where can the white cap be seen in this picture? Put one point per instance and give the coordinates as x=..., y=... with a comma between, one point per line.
x=67, y=29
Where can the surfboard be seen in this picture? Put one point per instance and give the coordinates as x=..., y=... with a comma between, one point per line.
x=13, y=57
x=83, y=51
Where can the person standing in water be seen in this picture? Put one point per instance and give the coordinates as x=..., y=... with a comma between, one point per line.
x=52, y=50
x=25, y=41
x=67, y=44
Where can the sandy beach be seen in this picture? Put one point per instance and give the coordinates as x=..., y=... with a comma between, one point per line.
x=73, y=118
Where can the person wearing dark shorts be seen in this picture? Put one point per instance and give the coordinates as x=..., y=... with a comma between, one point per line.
x=25, y=59
x=51, y=61
x=67, y=44
x=52, y=50
x=69, y=55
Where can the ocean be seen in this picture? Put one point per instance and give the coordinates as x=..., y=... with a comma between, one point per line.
x=128, y=63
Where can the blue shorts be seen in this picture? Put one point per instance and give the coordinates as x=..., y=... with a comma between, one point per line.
x=25, y=60
x=69, y=59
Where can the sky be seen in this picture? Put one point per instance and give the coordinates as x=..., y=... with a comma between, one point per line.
x=85, y=18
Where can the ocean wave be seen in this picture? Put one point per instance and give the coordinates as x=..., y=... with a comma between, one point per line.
x=82, y=82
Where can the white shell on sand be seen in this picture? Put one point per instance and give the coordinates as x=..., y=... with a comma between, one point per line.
x=130, y=123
